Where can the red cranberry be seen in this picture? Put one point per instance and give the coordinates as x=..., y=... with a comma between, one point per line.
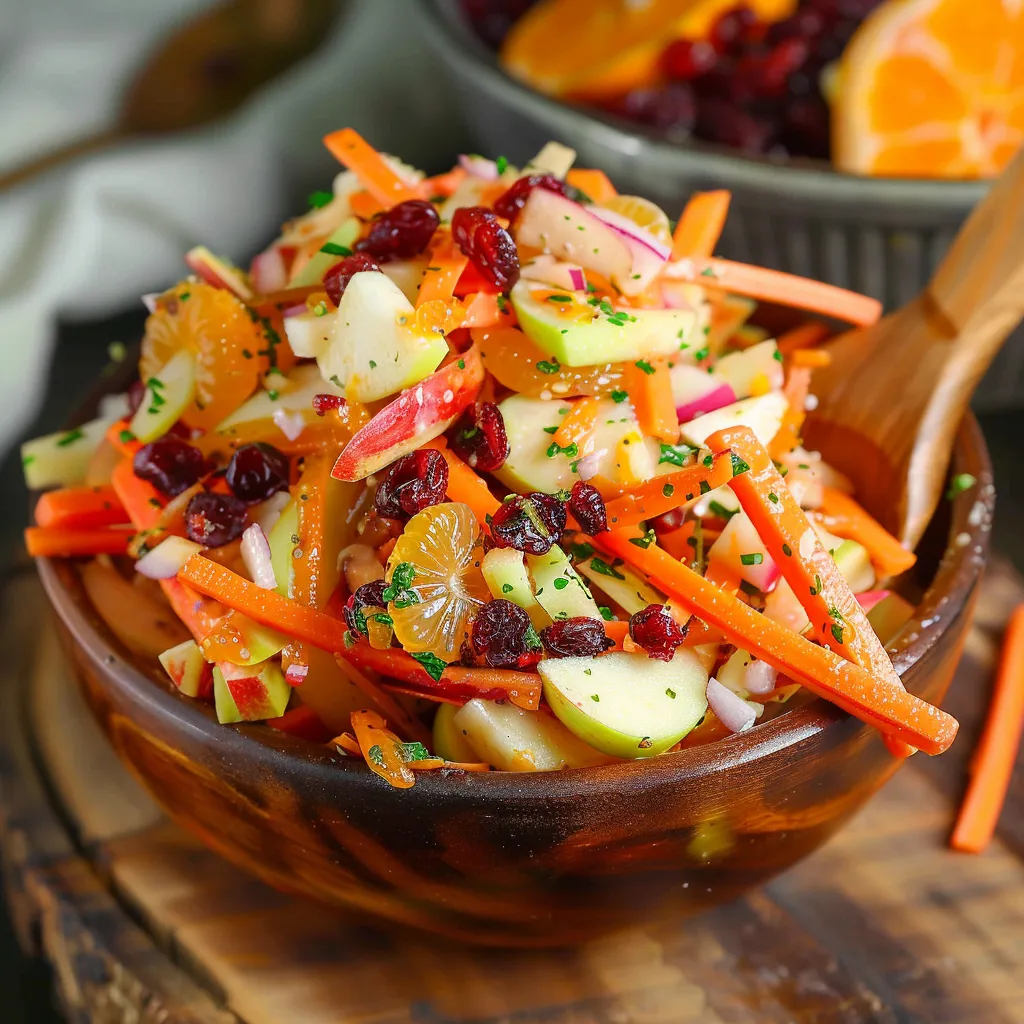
x=737, y=25
x=724, y=122
x=413, y=483
x=402, y=232
x=688, y=58
x=136, y=393
x=323, y=404
x=656, y=632
x=170, y=465
x=513, y=199
x=783, y=61
x=587, y=505
x=214, y=519
x=530, y=524
x=369, y=595
x=504, y=636
x=337, y=278
x=672, y=109
x=256, y=471
x=805, y=126
x=480, y=437
x=581, y=637
x=477, y=233
x=804, y=24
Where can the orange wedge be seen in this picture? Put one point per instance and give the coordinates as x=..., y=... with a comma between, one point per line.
x=596, y=49
x=932, y=88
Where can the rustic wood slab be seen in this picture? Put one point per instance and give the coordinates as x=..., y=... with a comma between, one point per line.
x=142, y=924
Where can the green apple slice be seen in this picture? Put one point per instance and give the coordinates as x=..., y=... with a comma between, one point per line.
x=625, y=588
x=763, y=415
x=337, y=246
x=187, y=668
x=62, y=459
x=283, y=539
x=451, y=742
x=372, y=352
x=559, y=589
x=579, y=334
x=854, y=564
x=627, y=705
x=168, y=395
x=514, y=740
x=504, y=571
x=250, y=694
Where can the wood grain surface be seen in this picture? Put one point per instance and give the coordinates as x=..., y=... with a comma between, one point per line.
x=142, y=924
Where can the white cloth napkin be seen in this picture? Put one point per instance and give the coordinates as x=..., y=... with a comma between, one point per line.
x=92, y=237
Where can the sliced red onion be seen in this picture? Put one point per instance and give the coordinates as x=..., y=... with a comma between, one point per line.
x=759, y=677
x=297, y=310
x=268, y=272
x=578, y=278
x=256, y=557
x=295, y=674
x=164, y=561
x=869, y=598
x=149, y=301
x=732, y=711
x=722, y=396
x=554, y=272
x=290, y=424
x=630, y=230
x=590, y=465
x=648, y=254
x=695, y=391
x=479, y=167
x=267, y=513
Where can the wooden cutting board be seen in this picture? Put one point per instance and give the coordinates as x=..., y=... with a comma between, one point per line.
x=143, y=925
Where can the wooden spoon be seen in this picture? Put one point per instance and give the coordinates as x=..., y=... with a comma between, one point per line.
x=893, y=397
x=204, y=71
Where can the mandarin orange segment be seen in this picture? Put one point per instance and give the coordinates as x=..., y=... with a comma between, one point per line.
x=224, y=338
x=932, y=88
x=437, y=585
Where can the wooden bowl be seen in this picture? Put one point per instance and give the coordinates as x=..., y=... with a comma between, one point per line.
x=527, y=859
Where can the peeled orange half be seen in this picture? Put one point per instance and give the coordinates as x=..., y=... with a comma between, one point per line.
x=932, y=88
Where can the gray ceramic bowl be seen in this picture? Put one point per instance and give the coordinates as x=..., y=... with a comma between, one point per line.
x=879, y=236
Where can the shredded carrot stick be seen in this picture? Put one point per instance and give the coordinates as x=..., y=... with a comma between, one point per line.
x=787, y=290
x=618, y=631
x=796, y=390
x=464, y=485
x=348, y=743
x=592, y=183
x=200, y=614
x=404, y=721
x=80, y=506
x=384, y=551
x=120, y=436
x=75, y=542
x=443, y=272
x=996, y=753
x=677, y=542
x=843, y=516
x=608, y=489
x=380, y=749
x=350, y=148
x=812, y=358
x=578, y=423
x=482, y=310
x=664, y=493
x=140, y=499
x=700, y=224
x=650, y=390
x=806, y=335
x=823, y=672
x=444, y=184
x=365, y=204
x=434, y=763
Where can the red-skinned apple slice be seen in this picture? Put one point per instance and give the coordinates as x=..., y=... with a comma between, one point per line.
x=189, y=670
x=213, y=270
x=417, y=415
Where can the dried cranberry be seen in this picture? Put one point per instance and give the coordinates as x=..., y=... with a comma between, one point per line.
x=587, y=505
x=479, y=235
x=688, y=58
x=369, y=595
x=804, y=24
x=581, y=637
x=323, y=404
x=337, y=278
x=672, y=109
x=214, y=519
x=413, y=483
x=170, y=465
x=136, y=393
x=656, y=632
x=504, y=636
x=521, y=523
x=739, y=24
x=775, y=69
x=492, y=19
x=402, y=232
x=551, y=509
x=513, y=199
x=256, y=471
x=480, y=439
x=724, y=122
x=805, y=126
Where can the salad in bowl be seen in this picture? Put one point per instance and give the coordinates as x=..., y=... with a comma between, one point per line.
x=491, y=470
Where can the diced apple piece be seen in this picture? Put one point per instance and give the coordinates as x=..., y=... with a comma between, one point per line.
x=742, y=553
x=754, y=371
x=627, y=589
x=188, y=669
x=514, y=740
x=763, y=415
x=504, y=571
x=627, y=705
x=250, y=694
x=578, y=334
x=283, y=539
x=62, y=459
x=238, y=640
x=451, y=742
x=889, y=616
x=408, y=275
x=343, y=237
x=416, y=416
x=854, y=563
x=559, y=589
x=167, y=396
x=695, y=391
x=218, y=272
x=309, y=334
x=554, y=158
x=783, y=606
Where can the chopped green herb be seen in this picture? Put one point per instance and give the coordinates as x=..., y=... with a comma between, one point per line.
x=675, y=454
x=559, y=298
x=816, y=589
x=606, y=612
x=373, y=364
x=126, y=436
x=561, y=583
x=642, y=364
x=461, y=364
x=619, y=397
x=645, y=541
x=837, y=632
x=502, y=164
x=773, y=498
x=185, y=296
x=383, y=619
x=595, y=698
x=602, y=568
x=960, y=483
x=668, y=490
x=777, y=355
x=571, y=450
x=376, y=755
x=721, y=511
x=704, y=487
x=548, y=367
x=336, y=382
x=708, y=460
x=756, y=558
x=787, y=550
x=701, y=354
x=320, y=198
x=27, y=460
x=273, y=395
x=581, y=551
x=433, y=665
x=670, y=693
x=507, y=588
x=502, y=304
x=333, y=249
x=70, y=438
x=739, y=467
x=551, y=430
x=414, y=751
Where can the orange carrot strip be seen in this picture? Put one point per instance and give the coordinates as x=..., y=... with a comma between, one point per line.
x=846, y=518
x=651, y=395
x=380, y=749
x=200, y=615
x=811, y=358
x=80, y=506
x=140, y=499
x=700, y=224
x=805, y=335
x=578, y=423
x=365, y=204
x=384, y=551
x=664, y=493
x=444, y=184
x=120, y=436
x=787, y=290
x=618, y=631
x=348, y=743
x=798, y=385
x=996, y=754
x=350, y=148
x=74, y=542
x=676, y=542
x=404, y=721
x=443, y=272
x=823, y=672
x=464, y=485
x=434, y=763
x=482, y=310
x=592, y=182
x=265, y=606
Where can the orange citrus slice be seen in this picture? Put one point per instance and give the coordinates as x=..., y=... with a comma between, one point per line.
x=227, y=343
x=643, y=213
x=593, y=49
x=932, y=89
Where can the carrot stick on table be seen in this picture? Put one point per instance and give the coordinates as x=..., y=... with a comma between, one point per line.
x=843, y=516
x=350, y=148
x=996, y=754
x=80, y=507
x=700, y=224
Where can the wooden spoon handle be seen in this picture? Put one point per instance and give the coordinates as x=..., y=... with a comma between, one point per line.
x=55, y=157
